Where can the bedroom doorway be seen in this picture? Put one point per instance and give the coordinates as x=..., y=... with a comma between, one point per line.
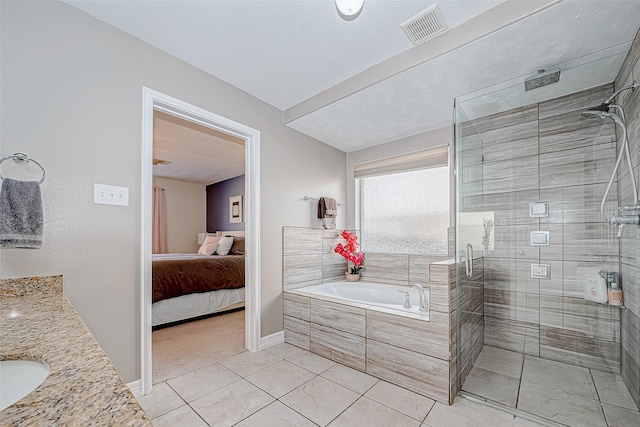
x=156, y=102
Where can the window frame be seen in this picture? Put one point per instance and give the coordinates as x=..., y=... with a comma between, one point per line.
x=358, y=210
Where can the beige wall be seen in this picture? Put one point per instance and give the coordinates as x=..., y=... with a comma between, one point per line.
x=407, y=145
x=186, y=208
x=72, y=99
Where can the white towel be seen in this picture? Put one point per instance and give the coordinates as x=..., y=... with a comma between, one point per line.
x=329, y=223
x=21, y=220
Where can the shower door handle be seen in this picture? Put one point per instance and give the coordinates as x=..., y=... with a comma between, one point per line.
x=468, y=262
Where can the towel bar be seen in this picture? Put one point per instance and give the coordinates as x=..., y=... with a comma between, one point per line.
x=316, y=199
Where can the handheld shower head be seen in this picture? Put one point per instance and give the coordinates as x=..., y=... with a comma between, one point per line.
x=602, y=107
x=602, y=111
x=596, y=113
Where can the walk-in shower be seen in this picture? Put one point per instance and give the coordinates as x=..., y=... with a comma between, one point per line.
x=531, y=171
x=606, y=110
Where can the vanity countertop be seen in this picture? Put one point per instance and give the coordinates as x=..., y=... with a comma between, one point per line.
x=38, y=322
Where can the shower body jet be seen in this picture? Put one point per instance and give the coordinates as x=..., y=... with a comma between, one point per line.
x=630, y=214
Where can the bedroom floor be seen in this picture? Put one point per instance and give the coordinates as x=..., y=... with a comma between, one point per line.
x=285, y=385
x=205, y=341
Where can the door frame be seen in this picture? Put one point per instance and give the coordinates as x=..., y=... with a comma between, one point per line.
x=154, y=100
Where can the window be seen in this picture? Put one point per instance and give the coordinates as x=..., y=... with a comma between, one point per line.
x=405, y=212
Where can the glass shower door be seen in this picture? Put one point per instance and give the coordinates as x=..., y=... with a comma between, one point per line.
x=474, y=237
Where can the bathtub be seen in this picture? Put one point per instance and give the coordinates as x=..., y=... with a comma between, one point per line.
x=364, y=325
x=371, y=295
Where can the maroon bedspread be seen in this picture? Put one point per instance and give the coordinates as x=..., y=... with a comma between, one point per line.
x=181, y=274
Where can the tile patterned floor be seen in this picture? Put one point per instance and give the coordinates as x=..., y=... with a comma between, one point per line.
x=565, y=394
x=287, y=386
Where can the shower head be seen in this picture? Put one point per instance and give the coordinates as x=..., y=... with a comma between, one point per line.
x=597, y=113
x=542, y=78
x=609, y=100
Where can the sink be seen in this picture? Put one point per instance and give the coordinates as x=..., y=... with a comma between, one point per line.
x=18, y=378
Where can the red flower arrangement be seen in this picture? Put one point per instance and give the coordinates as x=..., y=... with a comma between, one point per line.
x=350, y=252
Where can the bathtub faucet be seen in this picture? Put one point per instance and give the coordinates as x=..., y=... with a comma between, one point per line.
x=424, y=303
x=407, y=297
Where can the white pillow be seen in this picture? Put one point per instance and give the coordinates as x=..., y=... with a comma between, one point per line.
x=224, y=245
x=209, y=246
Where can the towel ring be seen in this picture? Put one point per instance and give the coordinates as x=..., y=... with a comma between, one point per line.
x=22, y=158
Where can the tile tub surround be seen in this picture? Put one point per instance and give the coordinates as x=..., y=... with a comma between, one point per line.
x=411, y=353
x=83, y=388
x=309, y=259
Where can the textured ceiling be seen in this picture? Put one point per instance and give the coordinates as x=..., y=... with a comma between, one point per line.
x=197, y=154
x=289, y=52
x=421, y=99
x=281, y=52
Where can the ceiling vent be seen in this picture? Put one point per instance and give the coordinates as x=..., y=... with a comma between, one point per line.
x=426, y=24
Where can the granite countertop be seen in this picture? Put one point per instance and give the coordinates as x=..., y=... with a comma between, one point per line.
x=37, y=322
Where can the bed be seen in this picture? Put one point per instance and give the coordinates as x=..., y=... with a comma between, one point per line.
x=187, y=286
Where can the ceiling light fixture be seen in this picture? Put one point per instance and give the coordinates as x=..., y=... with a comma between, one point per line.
x=349, y=9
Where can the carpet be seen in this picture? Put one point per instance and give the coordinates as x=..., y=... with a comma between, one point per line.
x=183, y=348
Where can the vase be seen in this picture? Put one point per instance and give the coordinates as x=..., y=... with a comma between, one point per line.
x=352, y=277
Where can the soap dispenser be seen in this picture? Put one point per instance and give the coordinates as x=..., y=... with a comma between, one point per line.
x=615, y=291
x=595, y=287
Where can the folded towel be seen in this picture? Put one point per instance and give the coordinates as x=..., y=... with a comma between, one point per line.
x=21, y=220
x=327, y=208
x=329, y=223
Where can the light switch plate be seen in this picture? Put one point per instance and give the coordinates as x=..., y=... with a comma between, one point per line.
x=110, y=195
x=540, y=271
x=539, y=209
x=539, y=238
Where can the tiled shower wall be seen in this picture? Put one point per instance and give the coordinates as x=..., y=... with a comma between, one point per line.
x=629, y=245
x=545, y=152
x=469, y=315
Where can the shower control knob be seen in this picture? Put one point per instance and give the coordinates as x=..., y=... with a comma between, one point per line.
x=625, y=220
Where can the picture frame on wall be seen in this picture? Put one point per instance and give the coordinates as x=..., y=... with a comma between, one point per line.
x=235, y=209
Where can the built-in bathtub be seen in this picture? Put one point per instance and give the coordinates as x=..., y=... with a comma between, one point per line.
x=365, y=326
x=371, y=295
x=408, y=348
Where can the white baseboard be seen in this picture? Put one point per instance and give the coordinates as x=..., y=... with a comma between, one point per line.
x=271, y=340
x=136, y=388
